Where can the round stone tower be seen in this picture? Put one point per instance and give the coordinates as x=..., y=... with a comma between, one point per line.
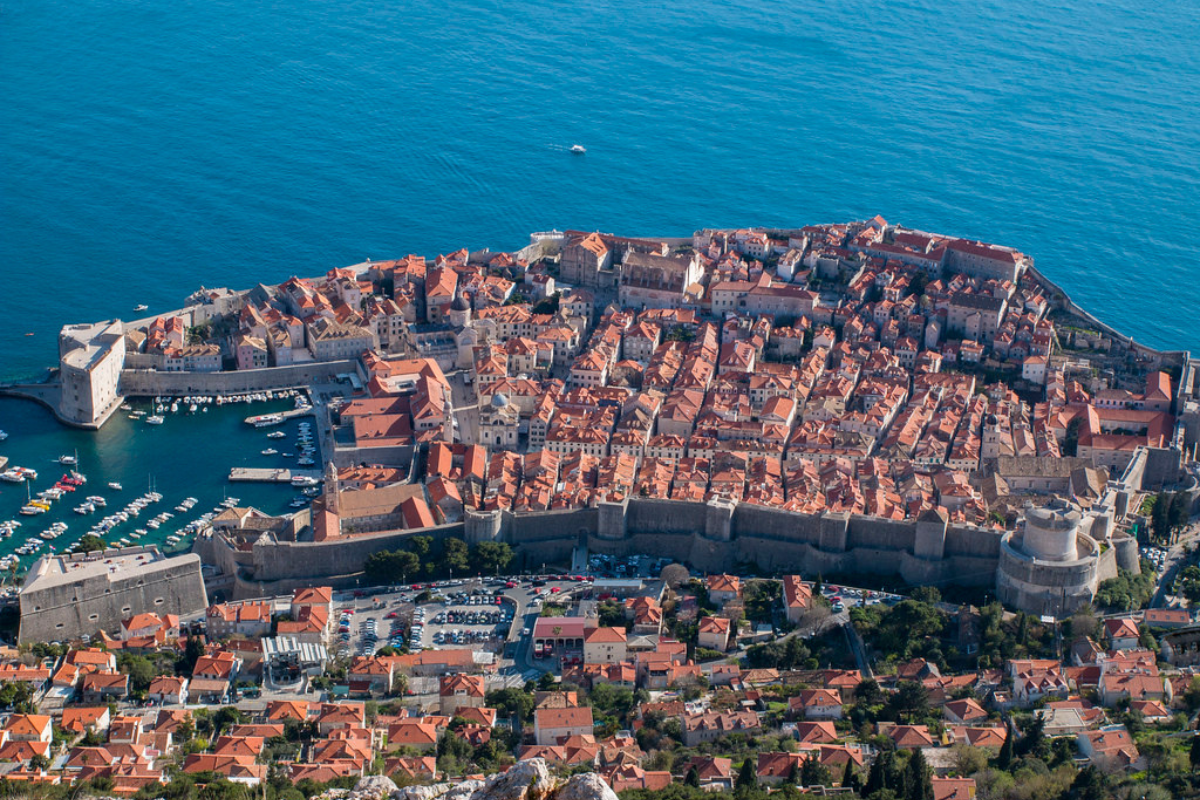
x=1046, y=567
x=1052, y=532
x=459, y=313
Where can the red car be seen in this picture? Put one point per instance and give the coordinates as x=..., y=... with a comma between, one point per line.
x=510, y=585
x=391, y=615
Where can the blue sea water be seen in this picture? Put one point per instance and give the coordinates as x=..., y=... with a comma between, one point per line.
x=151, y=147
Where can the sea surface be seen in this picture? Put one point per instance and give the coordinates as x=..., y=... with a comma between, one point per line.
x=189, y=455
x=149, y=148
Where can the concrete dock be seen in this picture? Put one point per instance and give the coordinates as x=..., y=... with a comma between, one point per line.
x=268, y=475
x=289, y=414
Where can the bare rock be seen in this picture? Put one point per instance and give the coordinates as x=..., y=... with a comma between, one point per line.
x=433, y=792
x=588, y=786
x=525, y=780
x=464, y=790
x=373, y=787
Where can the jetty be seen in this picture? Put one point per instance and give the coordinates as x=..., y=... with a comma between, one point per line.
x=283, y=415
x=269, y=475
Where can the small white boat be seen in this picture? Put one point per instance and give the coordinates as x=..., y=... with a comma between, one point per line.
x=141, y=307
x=578, y=148
x=155, y=419
x=68, y=460
x=270, y=451
x=116, y=487
x=3, y=436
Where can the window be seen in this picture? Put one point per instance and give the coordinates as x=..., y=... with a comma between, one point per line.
x=94, y=617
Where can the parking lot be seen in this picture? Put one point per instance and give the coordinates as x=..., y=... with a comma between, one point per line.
x=469, y=619
x=460, y=613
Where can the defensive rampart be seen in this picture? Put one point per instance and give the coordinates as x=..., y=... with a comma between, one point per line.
x=708, y=536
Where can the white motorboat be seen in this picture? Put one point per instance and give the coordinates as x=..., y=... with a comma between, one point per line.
x=155, y=419
x=578, y=148
x=141, y=307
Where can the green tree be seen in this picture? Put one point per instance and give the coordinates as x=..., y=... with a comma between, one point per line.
x=747, y=777
x=511, y=702
x=1089, y=784
x=191, y=654
x=1004, y=761
x=456, y=556
x=850, y=777
x=918, y=783
x=140, y=671
x=492, y=557
x=89, y=543
x=421, y=545
x=1034, y=742
x=1160, y=517
x=1179, y=512
x=911, y=700
x=692, y=778
x=927, y=594
x=814, y=773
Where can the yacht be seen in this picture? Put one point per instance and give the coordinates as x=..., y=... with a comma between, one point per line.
x=578, y=148
x=276, y=435
x=270, y=451
x=116, y=487
x=155, y=419
x=141, y=307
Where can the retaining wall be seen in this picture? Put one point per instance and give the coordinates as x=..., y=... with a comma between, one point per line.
x=153, y=383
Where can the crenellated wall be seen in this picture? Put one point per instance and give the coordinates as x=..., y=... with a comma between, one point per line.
x=709, y=536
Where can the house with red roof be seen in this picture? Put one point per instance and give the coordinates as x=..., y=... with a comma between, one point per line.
x=1111, y=748
x=552, y=724
x=816, y=704
x=964, y=712
x=714, y=633
x=953, y=788
x=604, y=645
x=460, y=691
x=797, y=597
x=1122, y=633
x=909, y=736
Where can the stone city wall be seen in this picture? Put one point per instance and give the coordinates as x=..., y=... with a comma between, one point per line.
x=710, y=537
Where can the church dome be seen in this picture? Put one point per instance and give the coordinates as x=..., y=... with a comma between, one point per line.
x=499, y=400
x=460, y=304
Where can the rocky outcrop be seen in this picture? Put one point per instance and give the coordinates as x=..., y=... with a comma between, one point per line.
x=525, y=780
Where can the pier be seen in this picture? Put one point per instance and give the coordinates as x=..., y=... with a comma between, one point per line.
x=286, y=415
x=269, y=475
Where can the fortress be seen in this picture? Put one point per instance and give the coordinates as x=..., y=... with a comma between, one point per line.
x=1051, y=566
x=64, y=595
